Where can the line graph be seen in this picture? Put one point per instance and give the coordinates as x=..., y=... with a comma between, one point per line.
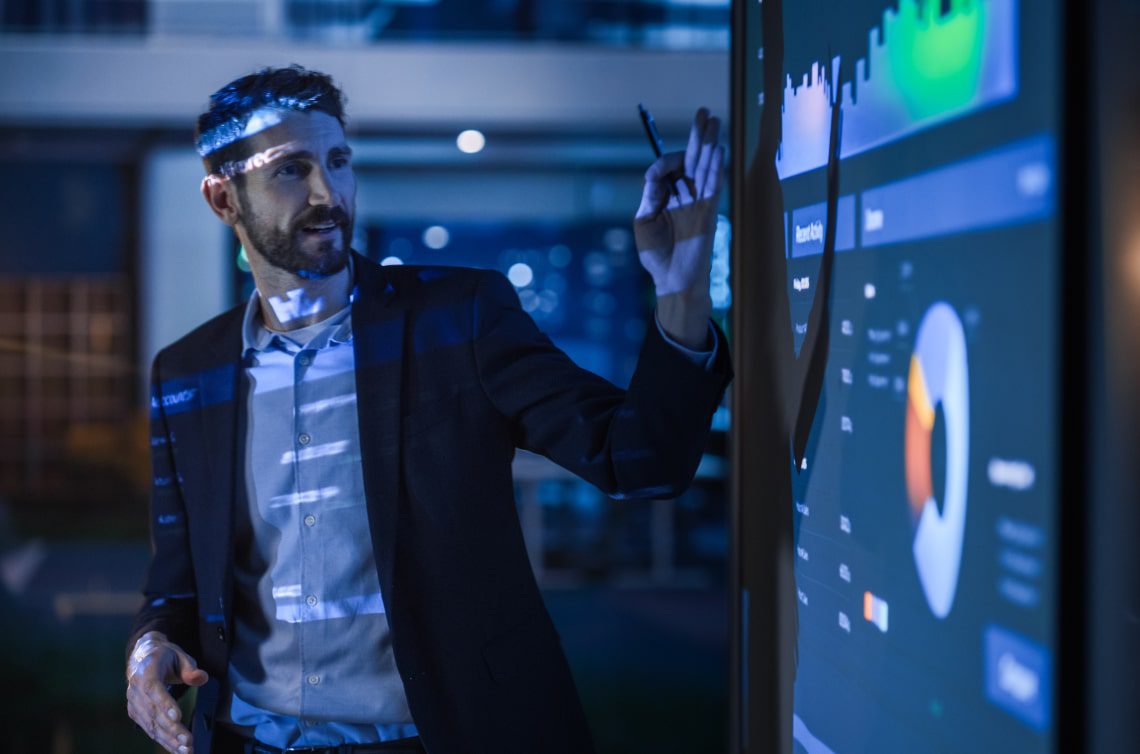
x=923, y=67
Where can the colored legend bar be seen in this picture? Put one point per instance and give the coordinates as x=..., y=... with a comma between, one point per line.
x=875, y=610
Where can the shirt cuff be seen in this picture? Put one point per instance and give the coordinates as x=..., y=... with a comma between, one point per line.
x=704, y=359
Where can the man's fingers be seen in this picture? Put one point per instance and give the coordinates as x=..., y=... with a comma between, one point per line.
x=163, y=703
x=701, y=177
x=712, y=184
x=667, y=165
x=711, y=132
x=140, y=714
x=167, y=733
x=709, y=143
x=151, y=712
x=686, y=189
x=171, y=743
x=658, y=180
x=653, y=199
x=709, y=184
x=680, y=178
x=696, y=134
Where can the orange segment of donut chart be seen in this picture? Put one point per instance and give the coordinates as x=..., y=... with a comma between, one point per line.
x=919, y=428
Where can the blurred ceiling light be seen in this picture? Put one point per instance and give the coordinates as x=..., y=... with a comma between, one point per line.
x=520, y=275
x=471, y=141
x=387, y=261
x=436, y=237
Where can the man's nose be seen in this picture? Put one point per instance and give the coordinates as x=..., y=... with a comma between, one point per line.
x=321, y=190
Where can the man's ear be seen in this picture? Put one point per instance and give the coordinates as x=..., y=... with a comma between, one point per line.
x=219, y=193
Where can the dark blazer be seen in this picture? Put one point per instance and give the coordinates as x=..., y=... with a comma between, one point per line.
x=451, y=376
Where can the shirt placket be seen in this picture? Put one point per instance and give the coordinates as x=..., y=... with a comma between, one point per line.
x=306, y=482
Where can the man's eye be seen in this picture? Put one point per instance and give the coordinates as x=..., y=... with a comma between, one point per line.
x=288, y=169
x=340, y=162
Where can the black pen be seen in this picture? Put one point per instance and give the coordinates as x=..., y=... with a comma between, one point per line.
x=654, y=138
x=651, y=130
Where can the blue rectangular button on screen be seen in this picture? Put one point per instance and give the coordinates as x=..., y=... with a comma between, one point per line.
x=1019, y=676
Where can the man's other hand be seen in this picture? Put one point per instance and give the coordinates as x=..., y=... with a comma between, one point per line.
x=155, y=664
x=675, y=225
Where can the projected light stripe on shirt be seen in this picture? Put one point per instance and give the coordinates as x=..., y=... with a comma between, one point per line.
x=296, y=610
x=305, y=496
x=327, y=404
x=316, y=451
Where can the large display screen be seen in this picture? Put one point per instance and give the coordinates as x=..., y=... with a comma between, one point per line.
x=924, y=507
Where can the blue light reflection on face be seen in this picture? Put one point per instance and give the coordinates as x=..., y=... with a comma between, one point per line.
x=234, y=130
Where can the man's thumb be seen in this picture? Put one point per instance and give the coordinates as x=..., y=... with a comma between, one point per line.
x=189, y=672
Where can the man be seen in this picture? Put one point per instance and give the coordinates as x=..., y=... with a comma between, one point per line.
x=337, y=562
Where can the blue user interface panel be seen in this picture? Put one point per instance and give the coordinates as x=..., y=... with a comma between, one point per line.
x=925, y=543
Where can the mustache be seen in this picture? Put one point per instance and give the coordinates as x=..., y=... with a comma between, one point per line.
x=319, y=215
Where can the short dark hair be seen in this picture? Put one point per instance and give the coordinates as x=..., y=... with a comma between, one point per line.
x=220, y=130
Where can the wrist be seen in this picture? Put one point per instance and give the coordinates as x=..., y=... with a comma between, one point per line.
x=685, y=316
x=696, y=294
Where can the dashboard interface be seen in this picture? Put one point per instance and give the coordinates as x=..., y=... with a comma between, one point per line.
x=925, y=542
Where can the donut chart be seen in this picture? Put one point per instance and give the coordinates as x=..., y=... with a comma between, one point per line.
x=938, y=378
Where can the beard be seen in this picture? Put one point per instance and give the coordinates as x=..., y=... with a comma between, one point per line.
x=284, y=249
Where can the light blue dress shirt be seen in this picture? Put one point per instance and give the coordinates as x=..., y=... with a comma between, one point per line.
x=312, y=661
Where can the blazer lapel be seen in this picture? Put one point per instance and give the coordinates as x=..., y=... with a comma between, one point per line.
x=222, y=397
x=378, y=321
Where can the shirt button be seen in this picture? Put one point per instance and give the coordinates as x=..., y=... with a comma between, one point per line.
x=304, y=438
x=314, y=680
x=310, y=520
x=304, y=360
x=311, y=600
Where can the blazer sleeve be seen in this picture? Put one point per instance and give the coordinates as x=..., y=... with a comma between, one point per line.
x=644, y=442
x=170, y=597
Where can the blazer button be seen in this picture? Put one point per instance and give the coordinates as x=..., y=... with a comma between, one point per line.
x=221, y=633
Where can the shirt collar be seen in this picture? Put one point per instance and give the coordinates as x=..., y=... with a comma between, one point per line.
x=255, y=336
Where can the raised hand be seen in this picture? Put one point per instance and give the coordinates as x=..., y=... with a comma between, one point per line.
x=675, y=223
x=154, y=663
x=674, y=229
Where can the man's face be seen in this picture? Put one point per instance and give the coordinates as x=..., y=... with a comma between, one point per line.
x=296, y=199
